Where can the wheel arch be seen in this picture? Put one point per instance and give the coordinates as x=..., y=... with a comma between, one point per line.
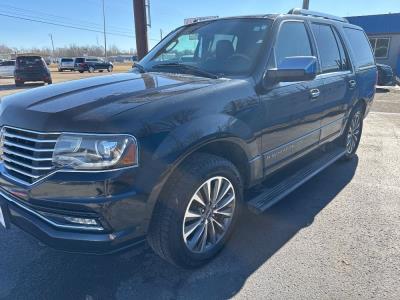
x=217, y=146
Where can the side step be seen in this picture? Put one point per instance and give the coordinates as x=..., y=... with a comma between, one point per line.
x=269, y=195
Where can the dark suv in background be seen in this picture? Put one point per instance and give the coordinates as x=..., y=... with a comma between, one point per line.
x=90, y=64
x=220, y=115
x=31, y=68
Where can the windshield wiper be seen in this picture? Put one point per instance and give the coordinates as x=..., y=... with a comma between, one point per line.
x=192, y=69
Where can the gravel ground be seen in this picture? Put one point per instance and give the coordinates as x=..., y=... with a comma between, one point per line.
x=336, y=237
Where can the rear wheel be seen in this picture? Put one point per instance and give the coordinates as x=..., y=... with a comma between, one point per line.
x=110, y=69
x=195, y=215
x=81, y=72
x=352, y=134
x=50, y=82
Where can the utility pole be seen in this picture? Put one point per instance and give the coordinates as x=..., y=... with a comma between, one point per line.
x=161, y=34
x=306, y=4
x=52, y=43
x=142, y=44
x=104, y=31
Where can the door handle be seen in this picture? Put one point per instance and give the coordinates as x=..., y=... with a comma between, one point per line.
x=315, y=93
x=352, y=84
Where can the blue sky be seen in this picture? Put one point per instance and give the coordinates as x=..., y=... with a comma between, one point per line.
x=165, y=15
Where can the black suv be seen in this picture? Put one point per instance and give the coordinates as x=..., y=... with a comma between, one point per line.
x=90, y=64
x=31, y=68
x=220, y=115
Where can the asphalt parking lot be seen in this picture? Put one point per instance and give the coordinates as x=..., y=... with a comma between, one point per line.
x=336, y=237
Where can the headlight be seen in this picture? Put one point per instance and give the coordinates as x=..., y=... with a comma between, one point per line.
x=95, y=152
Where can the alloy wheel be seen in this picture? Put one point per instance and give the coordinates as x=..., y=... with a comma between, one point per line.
x=354, y=133
x=209, y=214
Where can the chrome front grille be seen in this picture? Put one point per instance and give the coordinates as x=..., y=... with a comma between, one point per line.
x=27, y=155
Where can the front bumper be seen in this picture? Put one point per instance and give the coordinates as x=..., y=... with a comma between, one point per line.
x=37, y=209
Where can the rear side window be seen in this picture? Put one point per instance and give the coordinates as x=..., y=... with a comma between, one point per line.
x=329, y=53
x=67, y=60
x=360, y=47
x=79, y=60
x=293, y=40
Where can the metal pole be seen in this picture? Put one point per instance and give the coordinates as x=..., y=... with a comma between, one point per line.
x=161, y=34
x=104, y=31
x=306, y=4
x=52, y=43
x=142, y=45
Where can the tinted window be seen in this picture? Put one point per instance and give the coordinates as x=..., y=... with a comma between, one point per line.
x=30, y=61
x=343, y=55
x=67, y=60
x=360, y=47
x=328, y=48
x=292, y=41
x=79, y=60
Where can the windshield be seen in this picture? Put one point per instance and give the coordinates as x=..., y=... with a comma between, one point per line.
x=223, y=47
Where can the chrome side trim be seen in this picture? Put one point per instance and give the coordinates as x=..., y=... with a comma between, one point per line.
x=79, y=227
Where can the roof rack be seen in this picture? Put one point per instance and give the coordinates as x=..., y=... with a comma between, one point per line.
x=306, y=12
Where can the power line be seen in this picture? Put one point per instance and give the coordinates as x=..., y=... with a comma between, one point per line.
x=66, y=25
x=25, y=13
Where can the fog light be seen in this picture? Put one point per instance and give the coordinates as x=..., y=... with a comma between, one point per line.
x=82, y=221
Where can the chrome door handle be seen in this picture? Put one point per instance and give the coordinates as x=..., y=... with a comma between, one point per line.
x=352, y=84
x=315, y=93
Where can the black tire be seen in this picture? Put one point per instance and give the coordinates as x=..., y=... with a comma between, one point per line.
x=91, y=69
x=19, y=83
x=357, y=112
x=50, y=82
x=60, y=70
x=110, y=69
x=81, y=72
x=166, y=229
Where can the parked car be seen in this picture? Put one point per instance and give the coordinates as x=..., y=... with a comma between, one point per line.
x=89, y=64
x=172, y=152
x=66, y=64
x=385, y=75
x=31, y=68
x=7, y=68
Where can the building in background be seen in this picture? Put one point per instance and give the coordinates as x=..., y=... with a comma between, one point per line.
x=384, y=34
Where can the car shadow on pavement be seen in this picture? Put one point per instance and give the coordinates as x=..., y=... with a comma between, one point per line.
x=48, y=274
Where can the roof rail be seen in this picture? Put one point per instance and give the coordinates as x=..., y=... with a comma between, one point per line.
x=306, y=12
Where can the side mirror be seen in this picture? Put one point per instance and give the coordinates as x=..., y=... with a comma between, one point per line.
x=291, y=69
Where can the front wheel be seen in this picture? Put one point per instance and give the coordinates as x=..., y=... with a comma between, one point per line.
x=110, y=69
x=196, y=214
x=91, y=69
x=352, y=134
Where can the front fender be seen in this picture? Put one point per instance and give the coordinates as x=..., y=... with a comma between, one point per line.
x=192, y=135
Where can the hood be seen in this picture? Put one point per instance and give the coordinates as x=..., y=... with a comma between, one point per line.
x=58, y=107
